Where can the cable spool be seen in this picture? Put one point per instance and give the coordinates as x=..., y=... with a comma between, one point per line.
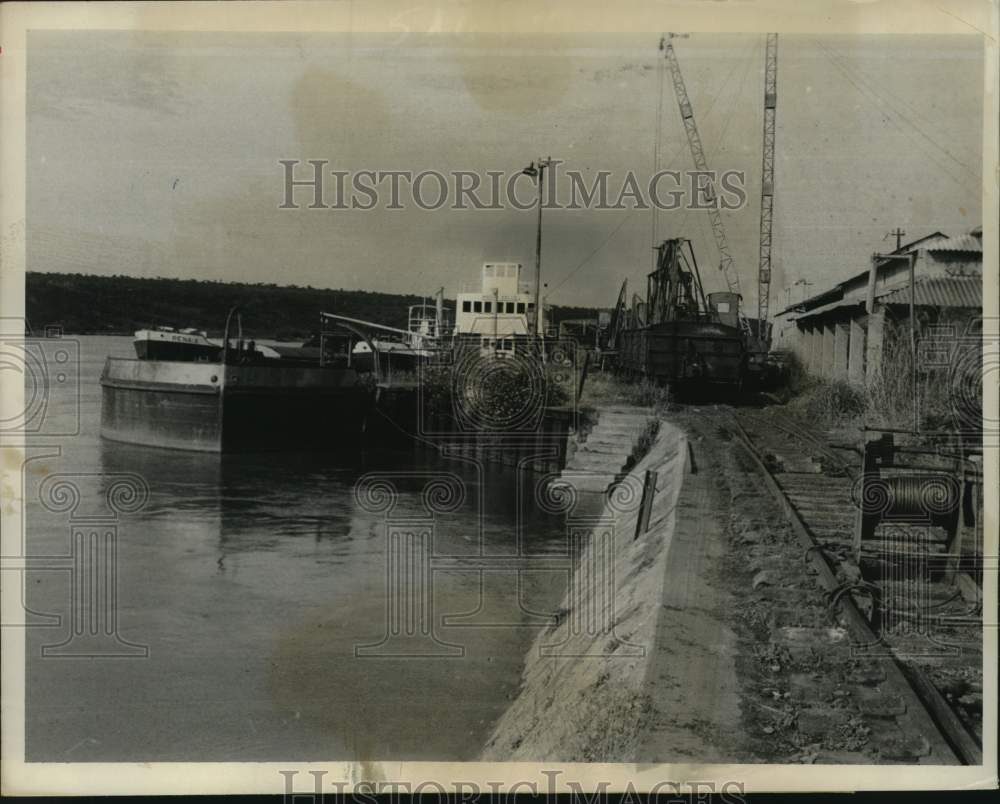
x=920, y=497
x=893, y=494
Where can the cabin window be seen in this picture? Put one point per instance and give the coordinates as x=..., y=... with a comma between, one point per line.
x=722, y=307
x=487, y=307
x=508, y=344
x=520, y=308
x=510, y=307
x=467, y=306
x=477, y=307
x=488, y=270
x=531, y=307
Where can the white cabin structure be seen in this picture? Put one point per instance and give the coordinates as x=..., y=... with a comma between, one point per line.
x=501, y=312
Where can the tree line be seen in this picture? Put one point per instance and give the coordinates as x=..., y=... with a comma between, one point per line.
x=94, y=305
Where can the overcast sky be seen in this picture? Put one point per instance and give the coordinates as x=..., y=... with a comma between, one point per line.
x=157, y=154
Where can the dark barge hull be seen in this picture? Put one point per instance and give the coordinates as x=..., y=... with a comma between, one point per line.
x=685, y=352
x=208, y=407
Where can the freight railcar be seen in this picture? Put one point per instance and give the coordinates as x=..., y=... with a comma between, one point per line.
x=684, y=352
x=680, y=335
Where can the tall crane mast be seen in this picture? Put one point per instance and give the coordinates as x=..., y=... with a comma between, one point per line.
x=701, y=164
x=767, y=182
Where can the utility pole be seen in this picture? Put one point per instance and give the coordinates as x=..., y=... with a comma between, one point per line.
x=898, y=234
x=538, y=173
x=804, y=286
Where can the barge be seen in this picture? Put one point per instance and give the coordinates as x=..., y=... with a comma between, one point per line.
x=245, y=397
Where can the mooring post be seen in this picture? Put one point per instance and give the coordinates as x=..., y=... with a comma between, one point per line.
x=646, y=505
x=583, y=378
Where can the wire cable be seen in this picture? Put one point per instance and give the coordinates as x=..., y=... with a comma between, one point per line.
x=872, y=97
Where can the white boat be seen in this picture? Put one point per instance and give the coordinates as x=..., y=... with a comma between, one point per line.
x=500, y=315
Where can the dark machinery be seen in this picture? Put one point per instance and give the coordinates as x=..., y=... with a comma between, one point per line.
x=916, y=504
x=686, y=339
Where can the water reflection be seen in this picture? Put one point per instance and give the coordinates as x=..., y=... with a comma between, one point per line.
x=253, y=578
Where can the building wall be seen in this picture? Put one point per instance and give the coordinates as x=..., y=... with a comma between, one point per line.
x=846, y=342
x=856, y=358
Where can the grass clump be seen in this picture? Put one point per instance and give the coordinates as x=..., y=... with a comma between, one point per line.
x=643, y=442
x=835, y=402
x=604, y=389
x=946, y=396
x=646, y=394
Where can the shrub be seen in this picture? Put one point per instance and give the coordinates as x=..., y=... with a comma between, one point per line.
x=796, y=378
x=500, y=392
x=559, y=386
x=503, y=395
x=834, y=402
x=647, y=394
x=890, y=393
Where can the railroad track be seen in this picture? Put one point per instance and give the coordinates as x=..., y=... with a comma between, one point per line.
x=931, y=682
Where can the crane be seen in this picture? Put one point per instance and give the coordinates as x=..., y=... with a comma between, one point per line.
x=767, y=183
x=701, y=164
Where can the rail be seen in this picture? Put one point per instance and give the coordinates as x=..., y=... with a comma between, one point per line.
x=927, y=707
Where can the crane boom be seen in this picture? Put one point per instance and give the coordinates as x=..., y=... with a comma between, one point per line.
x=701, y=164
x=767, y=181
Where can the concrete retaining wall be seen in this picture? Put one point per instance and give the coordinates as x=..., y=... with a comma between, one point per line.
x=582, y=691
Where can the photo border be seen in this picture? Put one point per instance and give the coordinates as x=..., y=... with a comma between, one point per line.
x=975, y=17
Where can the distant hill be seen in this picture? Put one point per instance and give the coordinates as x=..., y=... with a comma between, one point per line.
x=88, y=304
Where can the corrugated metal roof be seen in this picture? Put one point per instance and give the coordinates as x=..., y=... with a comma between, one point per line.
x=825, y=308
x=965, y=242
x=970, y=242
x=947, y=291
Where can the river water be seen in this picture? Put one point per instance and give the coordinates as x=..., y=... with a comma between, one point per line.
x=250, y=582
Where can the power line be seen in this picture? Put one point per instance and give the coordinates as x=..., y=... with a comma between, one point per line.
x=882, y=105
x=914, y=111
x=889, y=102
x=587, y=259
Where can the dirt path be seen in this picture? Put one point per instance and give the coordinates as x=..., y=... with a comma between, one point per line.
x=692, y=672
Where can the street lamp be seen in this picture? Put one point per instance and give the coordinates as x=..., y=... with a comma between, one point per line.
x=538, y=172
